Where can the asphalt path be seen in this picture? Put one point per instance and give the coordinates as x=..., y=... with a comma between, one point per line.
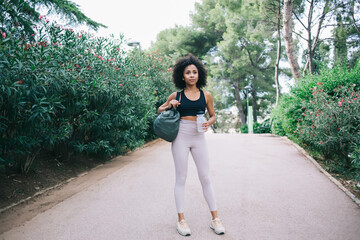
x=265, y=189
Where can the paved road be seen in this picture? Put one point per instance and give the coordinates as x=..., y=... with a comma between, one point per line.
x=265, y=189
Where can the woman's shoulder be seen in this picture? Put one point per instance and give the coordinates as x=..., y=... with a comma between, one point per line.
x=173, y=95
x=207, y=93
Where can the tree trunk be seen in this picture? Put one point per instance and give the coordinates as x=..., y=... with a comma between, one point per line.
x=278, y=53
x=309, y=42
x=312, y=43
x=254, y=104
x=239, y=102
x=289, y=44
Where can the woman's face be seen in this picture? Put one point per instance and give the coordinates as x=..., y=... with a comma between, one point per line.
x=191, y=75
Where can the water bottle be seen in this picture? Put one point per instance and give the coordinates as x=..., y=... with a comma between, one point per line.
x=200, y=120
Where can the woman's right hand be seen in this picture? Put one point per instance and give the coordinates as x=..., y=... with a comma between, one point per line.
x=174, y=103
x=170, y=103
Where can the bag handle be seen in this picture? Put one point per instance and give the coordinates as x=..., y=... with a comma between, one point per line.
x=178, y=96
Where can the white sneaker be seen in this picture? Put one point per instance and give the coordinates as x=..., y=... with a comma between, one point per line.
x=183, y=228
x=217, y=226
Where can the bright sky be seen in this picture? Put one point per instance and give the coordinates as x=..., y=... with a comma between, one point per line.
x=138, y=20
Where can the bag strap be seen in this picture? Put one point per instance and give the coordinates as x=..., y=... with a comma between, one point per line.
x=178, y=96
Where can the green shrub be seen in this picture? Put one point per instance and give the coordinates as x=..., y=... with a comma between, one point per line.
x=68, y=92
x=264, y=127
x=244, y=128
x=285, y=116
x=322, y=113
x=331, y=123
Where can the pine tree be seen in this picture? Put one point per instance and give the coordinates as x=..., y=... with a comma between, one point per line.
x=24, y=14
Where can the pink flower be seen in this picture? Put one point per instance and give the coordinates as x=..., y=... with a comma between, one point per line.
x=340, y=104
x=354, y=85
x=321, y=142
x=149, y=69
x=349, y=101
x=3, y=35
x=137, y=75
x=77, y=65
x=355, y=99
x=94, y=55
x=109, y=60
x=121, y=85
x=33, y=35
x=40, y=17
x=101, y=58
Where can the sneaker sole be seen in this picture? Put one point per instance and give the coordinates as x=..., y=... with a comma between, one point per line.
x=186, y=235
x=218, y=233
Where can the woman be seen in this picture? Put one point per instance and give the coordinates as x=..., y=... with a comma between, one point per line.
x=190, y=75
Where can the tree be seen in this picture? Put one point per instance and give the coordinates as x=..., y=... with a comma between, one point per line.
x=180, y=41
x=289, y=44
x=311, y=40
x=346, y=34
x=210, y=18
x=240, y=48
x=24, y=14
x=272, y=12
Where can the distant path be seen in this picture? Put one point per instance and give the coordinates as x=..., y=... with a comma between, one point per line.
x=265, y=189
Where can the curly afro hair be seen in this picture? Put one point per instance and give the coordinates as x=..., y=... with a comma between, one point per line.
x=180, y=66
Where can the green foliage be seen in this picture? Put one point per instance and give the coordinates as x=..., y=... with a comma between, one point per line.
x=331, y=123
x=264, y=127
x=225, y=121
x=285, y=116
x=70, y=92
x=181, y=41
x=244, y=128
x=23, y=14
x=322, y=113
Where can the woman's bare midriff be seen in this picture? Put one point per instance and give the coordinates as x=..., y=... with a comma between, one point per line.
x=190, y=118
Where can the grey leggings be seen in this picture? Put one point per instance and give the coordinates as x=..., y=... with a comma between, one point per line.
x=188, y=139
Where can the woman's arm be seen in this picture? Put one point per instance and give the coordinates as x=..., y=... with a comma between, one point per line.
x=211, y=110
x=171, y=102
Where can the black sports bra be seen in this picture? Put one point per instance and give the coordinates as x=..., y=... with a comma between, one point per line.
x=189, y=107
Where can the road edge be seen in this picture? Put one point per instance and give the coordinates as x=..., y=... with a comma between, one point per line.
x=328, y=175
x=44, y=191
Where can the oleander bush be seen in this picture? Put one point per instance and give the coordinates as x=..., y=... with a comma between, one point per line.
x=67, y=92
x=331, y=123
x=322, y=112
